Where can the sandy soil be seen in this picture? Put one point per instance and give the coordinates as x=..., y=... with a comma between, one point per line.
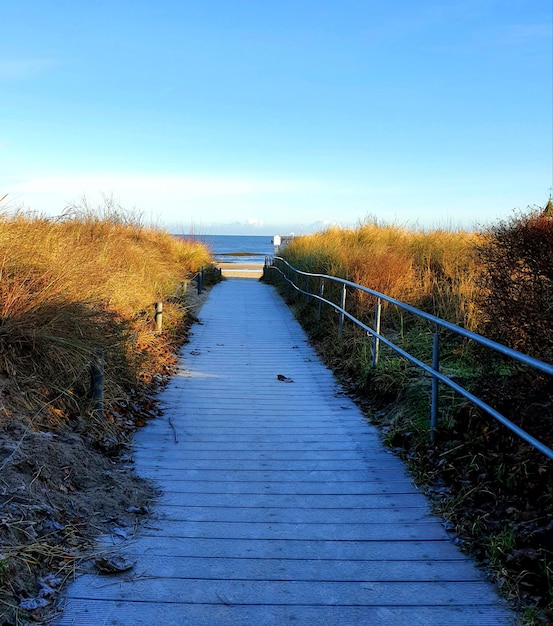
x=241, y=270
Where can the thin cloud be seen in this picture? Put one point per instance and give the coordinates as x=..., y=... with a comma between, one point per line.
x=190, y=186
x=23, y=68
x=255, y=222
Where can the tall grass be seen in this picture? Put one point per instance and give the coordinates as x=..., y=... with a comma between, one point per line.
x=432, y=270
x=78, y=284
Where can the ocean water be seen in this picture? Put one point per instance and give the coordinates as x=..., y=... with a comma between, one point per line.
x=239, y=248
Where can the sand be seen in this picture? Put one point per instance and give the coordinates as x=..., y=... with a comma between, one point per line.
x=241, y=270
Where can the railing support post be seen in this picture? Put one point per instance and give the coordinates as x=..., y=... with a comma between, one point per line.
x=321, y=292
x=288, y=273
x=376, y=340
x=435, y=383
x=343, y=307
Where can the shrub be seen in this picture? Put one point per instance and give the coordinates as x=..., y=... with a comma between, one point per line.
x=516, y=293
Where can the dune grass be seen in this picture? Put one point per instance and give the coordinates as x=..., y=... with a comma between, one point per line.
x=81, y=283
x=431, y=270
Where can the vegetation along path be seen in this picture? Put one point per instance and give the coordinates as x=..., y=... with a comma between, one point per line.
x=278, y=503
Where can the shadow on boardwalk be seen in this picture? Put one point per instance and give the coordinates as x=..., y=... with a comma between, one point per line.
x=278, y=503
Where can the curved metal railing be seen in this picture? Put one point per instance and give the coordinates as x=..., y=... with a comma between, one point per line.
x=287, y=271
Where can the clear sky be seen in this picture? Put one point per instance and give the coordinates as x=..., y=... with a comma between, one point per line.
x=277, y=116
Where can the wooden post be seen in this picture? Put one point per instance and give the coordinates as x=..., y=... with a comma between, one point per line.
x=158, y=316
x=200, y=281
x=97, y=383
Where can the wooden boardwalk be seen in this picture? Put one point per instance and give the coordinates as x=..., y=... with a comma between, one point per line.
x=279, y=504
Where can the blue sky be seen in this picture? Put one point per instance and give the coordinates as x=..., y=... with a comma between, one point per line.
x=267, y=116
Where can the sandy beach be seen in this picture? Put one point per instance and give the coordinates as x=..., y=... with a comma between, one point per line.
x=241, y=270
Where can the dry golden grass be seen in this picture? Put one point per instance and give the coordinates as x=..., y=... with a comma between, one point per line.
x=83, y=282
x=432, y=270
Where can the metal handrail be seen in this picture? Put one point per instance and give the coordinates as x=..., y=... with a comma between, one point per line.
x=437, y=376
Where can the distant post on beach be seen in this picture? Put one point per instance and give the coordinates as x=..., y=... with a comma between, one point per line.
x=279, y=241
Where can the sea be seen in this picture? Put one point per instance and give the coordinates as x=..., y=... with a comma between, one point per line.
x=238, y=248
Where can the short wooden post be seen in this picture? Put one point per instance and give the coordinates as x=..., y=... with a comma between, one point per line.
x=97, y=367
x=158, y=316
x=200, y=281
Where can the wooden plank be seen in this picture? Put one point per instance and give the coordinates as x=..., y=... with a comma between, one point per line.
x=260, y=464
x=222, y=496
x=292, y=515
x=327, y=549
x=278, y=592
x=296, y=476
x=180, y=489
x=94, y=612
x=332, y=570
x=421, y=531
x=306, y=455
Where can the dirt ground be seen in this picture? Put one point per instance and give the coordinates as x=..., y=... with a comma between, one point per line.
x=59, y=491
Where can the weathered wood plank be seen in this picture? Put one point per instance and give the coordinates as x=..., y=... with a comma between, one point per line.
x=185, y=567
x=221, y=496
x=95, y=612
x=293, y=515
x=382, y=551
x=421, y=531
x=303, y=488
x=278, y=592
